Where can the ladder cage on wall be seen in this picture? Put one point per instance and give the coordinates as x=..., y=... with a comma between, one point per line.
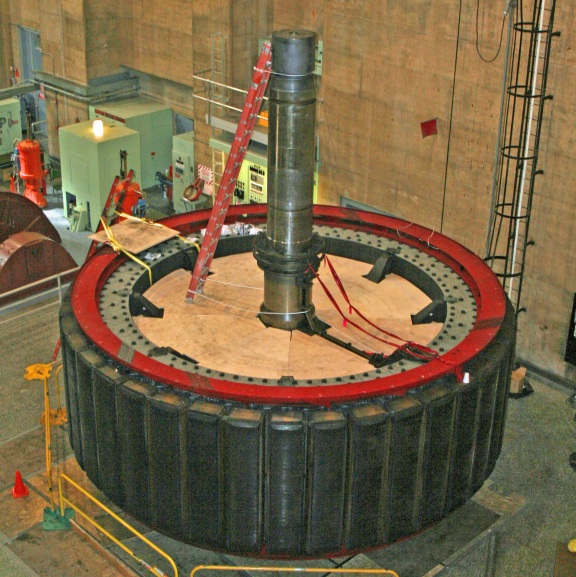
x=217, y=92
x=517, y=166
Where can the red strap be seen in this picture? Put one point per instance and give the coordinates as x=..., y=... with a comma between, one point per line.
x=346, y=319
x=416, y=350
x=423, y=351
x=56, y=350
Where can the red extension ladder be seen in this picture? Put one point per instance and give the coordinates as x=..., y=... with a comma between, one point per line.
x=238, y=150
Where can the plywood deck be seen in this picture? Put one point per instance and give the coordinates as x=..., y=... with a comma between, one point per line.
x=136, y=236
x=221, y=328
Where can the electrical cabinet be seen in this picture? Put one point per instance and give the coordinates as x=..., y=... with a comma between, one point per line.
x=257, y=184
x=154, y=122
x=182, y=168
x=251, y=186
x=184, y=175
x=90, y=164
x=10, y=124
x=252, y=183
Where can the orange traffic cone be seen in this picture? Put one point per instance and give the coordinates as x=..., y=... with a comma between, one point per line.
x=19, y=489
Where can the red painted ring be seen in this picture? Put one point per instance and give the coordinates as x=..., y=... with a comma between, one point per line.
x=483, y=283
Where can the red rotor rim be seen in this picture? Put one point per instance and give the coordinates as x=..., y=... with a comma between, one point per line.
x=486, y=289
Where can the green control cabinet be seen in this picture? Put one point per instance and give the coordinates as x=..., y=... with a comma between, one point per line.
x=90, y=164
x=252, y=185
x=182, y=169
x=154, y=122
x=10, y=125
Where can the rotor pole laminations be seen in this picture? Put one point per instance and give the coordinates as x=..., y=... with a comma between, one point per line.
x=289, y=247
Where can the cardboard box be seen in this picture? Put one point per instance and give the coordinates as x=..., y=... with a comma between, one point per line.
x=517, y=382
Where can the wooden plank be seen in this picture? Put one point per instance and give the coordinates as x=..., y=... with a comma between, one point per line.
x=136, y=236
x=221, y=329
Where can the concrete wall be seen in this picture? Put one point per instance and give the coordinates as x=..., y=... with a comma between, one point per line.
x=387, y=69
x=5, y=45
x=209, y=18
x=388, y=66
x=63, y=43
x=156, y=38
x=104, y=33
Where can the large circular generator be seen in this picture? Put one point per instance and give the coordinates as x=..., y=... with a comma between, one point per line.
x=252, y=422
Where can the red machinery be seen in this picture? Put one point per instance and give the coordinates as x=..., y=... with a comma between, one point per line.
x=124, y=194
x=128, y=195
x=31, y=172
x=122, y=198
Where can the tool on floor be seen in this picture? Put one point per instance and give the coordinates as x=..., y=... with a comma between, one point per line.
x=52, y=520
x=519, y=385
x=19, y=489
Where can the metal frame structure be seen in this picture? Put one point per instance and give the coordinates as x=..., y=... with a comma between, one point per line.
x=249, y=466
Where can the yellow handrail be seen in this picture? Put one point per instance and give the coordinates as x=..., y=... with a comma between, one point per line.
x=292, y=570
x=63, y=500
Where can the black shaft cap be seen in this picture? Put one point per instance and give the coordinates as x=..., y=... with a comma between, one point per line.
x=293, y=52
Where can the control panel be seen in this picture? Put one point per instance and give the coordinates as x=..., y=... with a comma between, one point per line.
x=257, y=183
x=10, y=125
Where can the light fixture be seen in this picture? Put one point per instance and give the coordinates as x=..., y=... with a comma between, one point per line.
x=98, y=128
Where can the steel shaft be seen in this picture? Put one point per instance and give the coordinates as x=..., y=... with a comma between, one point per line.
x=288, y=248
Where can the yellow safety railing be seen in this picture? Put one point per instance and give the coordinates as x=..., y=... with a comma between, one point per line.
x=63, y=500
x=292, y=570
x=42, y=372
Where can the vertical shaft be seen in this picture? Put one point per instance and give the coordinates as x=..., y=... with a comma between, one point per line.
x=289, y=246
x=292, y=113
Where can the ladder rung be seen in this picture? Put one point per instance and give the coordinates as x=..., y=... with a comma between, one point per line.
x=233, y=164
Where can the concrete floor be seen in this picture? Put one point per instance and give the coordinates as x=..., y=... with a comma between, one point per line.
x=531, y=492
x=540, y=436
